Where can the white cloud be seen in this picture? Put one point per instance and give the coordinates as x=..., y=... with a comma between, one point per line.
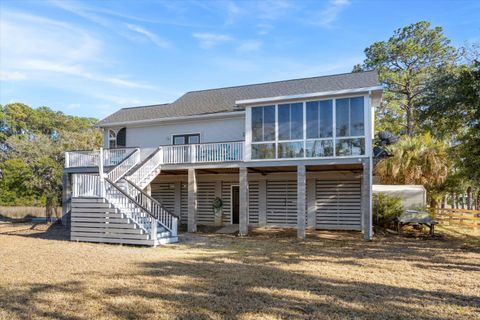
x=330, y=14
x=209, y=40
x=32, y=44
x=159, y=42
x=12, y=76
x=275, y=9
x=249, y=46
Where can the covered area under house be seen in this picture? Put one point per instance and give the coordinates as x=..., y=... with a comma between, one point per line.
x=291, y=195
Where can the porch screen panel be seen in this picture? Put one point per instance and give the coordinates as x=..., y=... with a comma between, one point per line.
x=253, y=201
x=227, y=200
x=338, y=204
x=282, y=203
x=164, y=193
x=205, y=197
x=184, y=203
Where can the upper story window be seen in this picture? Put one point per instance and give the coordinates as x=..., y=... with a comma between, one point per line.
x=263, y=124
x=350, y=123
x=263, y=132
x=112, y=139
x=117, y=138
x=332, y=127
x=186, y=139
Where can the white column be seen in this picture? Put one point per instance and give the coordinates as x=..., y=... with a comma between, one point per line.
x=101, y=174
x=311, y=205
x=192, y=200
x=301, y=200
x=367, y=200
x=243, y=219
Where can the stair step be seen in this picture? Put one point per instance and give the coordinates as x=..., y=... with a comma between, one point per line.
x=87, y=199
x=108, y=228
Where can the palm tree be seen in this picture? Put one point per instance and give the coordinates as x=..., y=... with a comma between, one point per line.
x=416, y=160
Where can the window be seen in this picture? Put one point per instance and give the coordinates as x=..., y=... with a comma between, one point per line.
x=319, y=119
x=290, y=121
x=263, y=123
x=112, y=139
x=350, y=123
x=263, y=130
x=263, y=151
x=349, y=117
x=290, y=149
x=186, y=139
x=333, y=127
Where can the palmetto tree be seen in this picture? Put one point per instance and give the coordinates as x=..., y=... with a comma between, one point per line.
x=416, y=160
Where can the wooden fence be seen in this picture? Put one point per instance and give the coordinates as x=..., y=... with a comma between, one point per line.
x=457, y=217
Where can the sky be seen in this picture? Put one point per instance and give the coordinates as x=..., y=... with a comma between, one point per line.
x=90, y=58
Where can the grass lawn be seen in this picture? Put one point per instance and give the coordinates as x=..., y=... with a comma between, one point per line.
x=267, y=275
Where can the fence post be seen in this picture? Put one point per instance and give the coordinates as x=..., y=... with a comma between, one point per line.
x=101, y=174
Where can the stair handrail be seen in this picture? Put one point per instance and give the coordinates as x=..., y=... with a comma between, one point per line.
x=124, y=166
x=165, y=217
x=147, y=166
x=146, y=219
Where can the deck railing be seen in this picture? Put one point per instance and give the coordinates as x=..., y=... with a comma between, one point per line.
x=111, y=157
x=86, y=185
x=162, y=214
x=124, y=166
x=147, y=167
x=175, y=154
x=203, y=152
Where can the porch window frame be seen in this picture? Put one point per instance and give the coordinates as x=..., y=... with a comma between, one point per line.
x=367, y=118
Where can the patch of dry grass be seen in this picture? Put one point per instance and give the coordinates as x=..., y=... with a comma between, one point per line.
x=269, y=275
x=23, y=212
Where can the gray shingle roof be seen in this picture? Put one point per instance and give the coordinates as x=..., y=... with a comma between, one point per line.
x=223, y=99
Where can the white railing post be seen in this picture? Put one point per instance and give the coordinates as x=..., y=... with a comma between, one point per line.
x=74, y=185
x=193, y=153
x=153, y=228
x=67, y=160
x=101, y=174
x=174, y=226
x=160, y=154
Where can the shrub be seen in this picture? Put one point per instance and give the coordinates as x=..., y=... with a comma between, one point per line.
x=386, y=209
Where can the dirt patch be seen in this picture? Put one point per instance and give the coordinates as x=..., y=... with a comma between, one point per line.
x=269, y=275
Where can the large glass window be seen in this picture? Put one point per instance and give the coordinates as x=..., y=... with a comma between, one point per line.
x=333, y=127
x=290, y=149
x=349, y=117
x=263, y=151
x=319, y=119
x=350, y=147
x=290, y=121
x=263, y=123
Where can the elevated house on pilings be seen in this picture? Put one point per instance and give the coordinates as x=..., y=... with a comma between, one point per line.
x=294, y=153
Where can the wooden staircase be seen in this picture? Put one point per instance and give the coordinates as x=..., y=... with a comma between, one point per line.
x=97, y=220
x=112, y=209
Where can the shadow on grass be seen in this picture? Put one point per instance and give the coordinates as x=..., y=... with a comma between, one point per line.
x=42, y=230
x=223, y=287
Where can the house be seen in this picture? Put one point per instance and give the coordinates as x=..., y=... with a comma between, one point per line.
x=294, y=153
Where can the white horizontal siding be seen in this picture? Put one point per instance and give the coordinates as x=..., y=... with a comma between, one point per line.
x=282, y=203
